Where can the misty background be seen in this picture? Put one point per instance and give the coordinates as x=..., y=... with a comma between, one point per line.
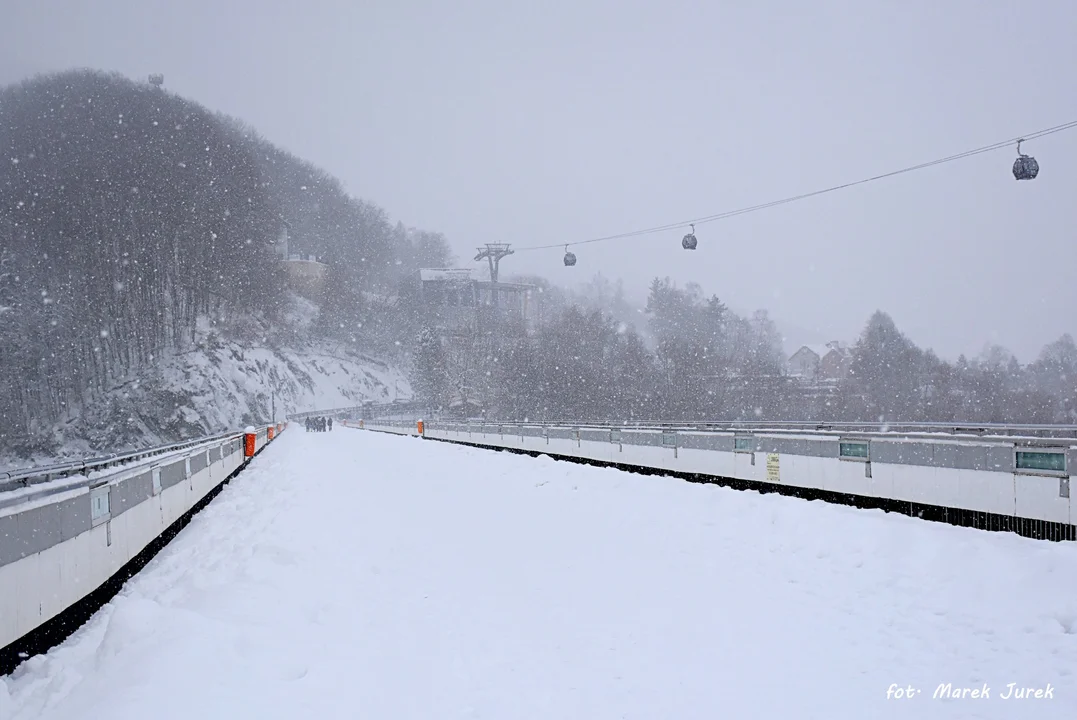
x=540, y=124
x=261, y=235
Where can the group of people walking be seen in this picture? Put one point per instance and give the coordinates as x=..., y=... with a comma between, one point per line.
x=319, y=424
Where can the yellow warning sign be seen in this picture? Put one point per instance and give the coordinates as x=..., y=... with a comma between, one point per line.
x=772, y=468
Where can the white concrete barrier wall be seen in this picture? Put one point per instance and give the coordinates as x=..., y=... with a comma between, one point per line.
x=980, y=475
x=56, y=550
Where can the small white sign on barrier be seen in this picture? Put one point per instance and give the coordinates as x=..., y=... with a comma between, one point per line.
x=100, y=510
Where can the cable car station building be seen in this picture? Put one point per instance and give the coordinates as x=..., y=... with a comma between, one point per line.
x=463, y=301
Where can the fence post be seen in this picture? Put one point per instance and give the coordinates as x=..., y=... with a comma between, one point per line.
x=248, y=442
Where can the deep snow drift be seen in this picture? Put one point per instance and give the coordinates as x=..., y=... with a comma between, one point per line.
x=354, y=574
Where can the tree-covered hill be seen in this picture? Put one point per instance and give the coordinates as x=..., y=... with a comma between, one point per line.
x=127, y=213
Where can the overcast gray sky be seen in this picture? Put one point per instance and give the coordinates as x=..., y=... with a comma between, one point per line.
x=553, y=122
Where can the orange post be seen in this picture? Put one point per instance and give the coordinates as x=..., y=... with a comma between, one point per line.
x=419, y=426
x=270, y=432
x=248, y=442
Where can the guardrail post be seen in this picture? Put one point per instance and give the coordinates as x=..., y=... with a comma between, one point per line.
x=248, y=442
x=419, y=427
x=270, y=432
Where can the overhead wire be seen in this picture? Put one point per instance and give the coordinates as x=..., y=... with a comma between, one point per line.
x=803, y=196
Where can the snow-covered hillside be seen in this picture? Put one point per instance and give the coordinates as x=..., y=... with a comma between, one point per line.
x=228, y=378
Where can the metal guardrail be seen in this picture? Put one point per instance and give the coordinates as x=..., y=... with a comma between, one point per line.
x=25, y=477
x=320, y=413
x=1016, y=435
x=924, y=429
x=1039, y=431
x=403, y=406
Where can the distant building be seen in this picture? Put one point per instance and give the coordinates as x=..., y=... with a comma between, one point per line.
x=462, y=300
x=471, y=316
x=306, y=274
x=835, y=363
x=804, y=363
x=815, y=363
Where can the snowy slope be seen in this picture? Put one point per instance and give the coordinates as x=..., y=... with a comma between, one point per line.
x=228, y=385
x=226, y=380
x=358, y=575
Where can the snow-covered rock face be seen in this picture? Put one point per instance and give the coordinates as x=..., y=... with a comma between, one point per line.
x=228, y=379
x=229, y=386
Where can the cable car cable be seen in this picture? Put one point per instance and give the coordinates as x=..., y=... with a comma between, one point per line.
x=763, y=206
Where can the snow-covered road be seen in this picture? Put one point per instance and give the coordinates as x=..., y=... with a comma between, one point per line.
x=358, y=575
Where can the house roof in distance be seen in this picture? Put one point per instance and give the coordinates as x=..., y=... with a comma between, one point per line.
x=821, y=351
x=455, y=274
